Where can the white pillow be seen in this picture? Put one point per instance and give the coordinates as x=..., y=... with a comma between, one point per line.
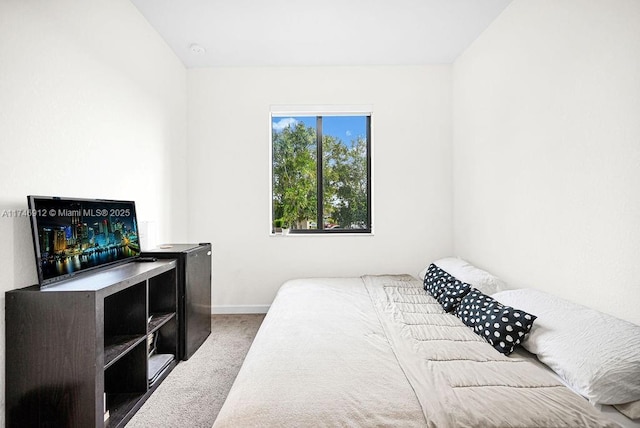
x=466, y=272
x=598, y=355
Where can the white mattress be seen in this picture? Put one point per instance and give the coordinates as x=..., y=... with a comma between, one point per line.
x=328, y=354
x=306, y=366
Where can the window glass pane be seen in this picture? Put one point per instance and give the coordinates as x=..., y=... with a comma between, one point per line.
x=295, y=196
x=344, y=152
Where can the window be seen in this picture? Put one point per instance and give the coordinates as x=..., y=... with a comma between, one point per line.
x=332, y=195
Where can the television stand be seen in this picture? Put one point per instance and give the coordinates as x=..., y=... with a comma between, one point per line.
x=78, y=351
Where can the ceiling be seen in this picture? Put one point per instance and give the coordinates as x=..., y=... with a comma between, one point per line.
x=329, y=32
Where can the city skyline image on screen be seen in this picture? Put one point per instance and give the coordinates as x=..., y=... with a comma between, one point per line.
x=74, y=235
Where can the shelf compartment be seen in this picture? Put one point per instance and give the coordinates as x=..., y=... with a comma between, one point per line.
x=120, y=405
x=124, y=321
x=125, y=385
x=163, y=293
x=163, y=374
x=117, y=346
x=162, y=337
x=158, y=364
x=158, y=320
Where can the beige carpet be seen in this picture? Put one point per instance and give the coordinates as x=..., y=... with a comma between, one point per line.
x=193, y=393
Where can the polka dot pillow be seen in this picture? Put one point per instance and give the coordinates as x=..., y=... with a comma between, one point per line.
x=453, y=294
x=435, y=280
x=502, y=326
x=469, y=308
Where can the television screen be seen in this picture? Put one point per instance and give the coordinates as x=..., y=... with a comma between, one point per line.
x=72, y=235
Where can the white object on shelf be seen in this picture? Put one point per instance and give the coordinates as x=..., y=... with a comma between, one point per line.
x=148, y=234
x=157, y=364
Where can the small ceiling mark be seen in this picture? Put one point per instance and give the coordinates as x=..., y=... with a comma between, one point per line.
x=196, y=49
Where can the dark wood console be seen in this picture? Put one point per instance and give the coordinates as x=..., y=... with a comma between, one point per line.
x=90, y=344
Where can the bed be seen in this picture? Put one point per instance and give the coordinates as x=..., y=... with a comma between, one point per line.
x=382, y=351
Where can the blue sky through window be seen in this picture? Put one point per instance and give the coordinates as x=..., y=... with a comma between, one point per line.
x=346, y=128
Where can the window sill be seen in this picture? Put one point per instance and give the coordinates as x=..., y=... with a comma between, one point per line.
x=314, y=235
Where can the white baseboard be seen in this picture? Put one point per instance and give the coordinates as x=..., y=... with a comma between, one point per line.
x=240, y=309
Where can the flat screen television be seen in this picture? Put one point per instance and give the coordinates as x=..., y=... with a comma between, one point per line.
x=72, y=235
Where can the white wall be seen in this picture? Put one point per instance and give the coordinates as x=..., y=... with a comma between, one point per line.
x=229, y=187
x=547, y=151
x=92, y=104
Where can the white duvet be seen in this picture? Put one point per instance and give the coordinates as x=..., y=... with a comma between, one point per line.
x=378, y=351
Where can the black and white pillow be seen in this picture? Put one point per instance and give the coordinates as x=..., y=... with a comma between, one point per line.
x=453, y=294
x=435, y=280
x=504, y=327
x=469, y=308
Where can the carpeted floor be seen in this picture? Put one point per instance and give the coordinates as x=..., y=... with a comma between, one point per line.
x=193, y=393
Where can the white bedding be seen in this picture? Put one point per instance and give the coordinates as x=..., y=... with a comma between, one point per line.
x=321, y=358
x=597, y=354
x=379, y=351
x=609, y=411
